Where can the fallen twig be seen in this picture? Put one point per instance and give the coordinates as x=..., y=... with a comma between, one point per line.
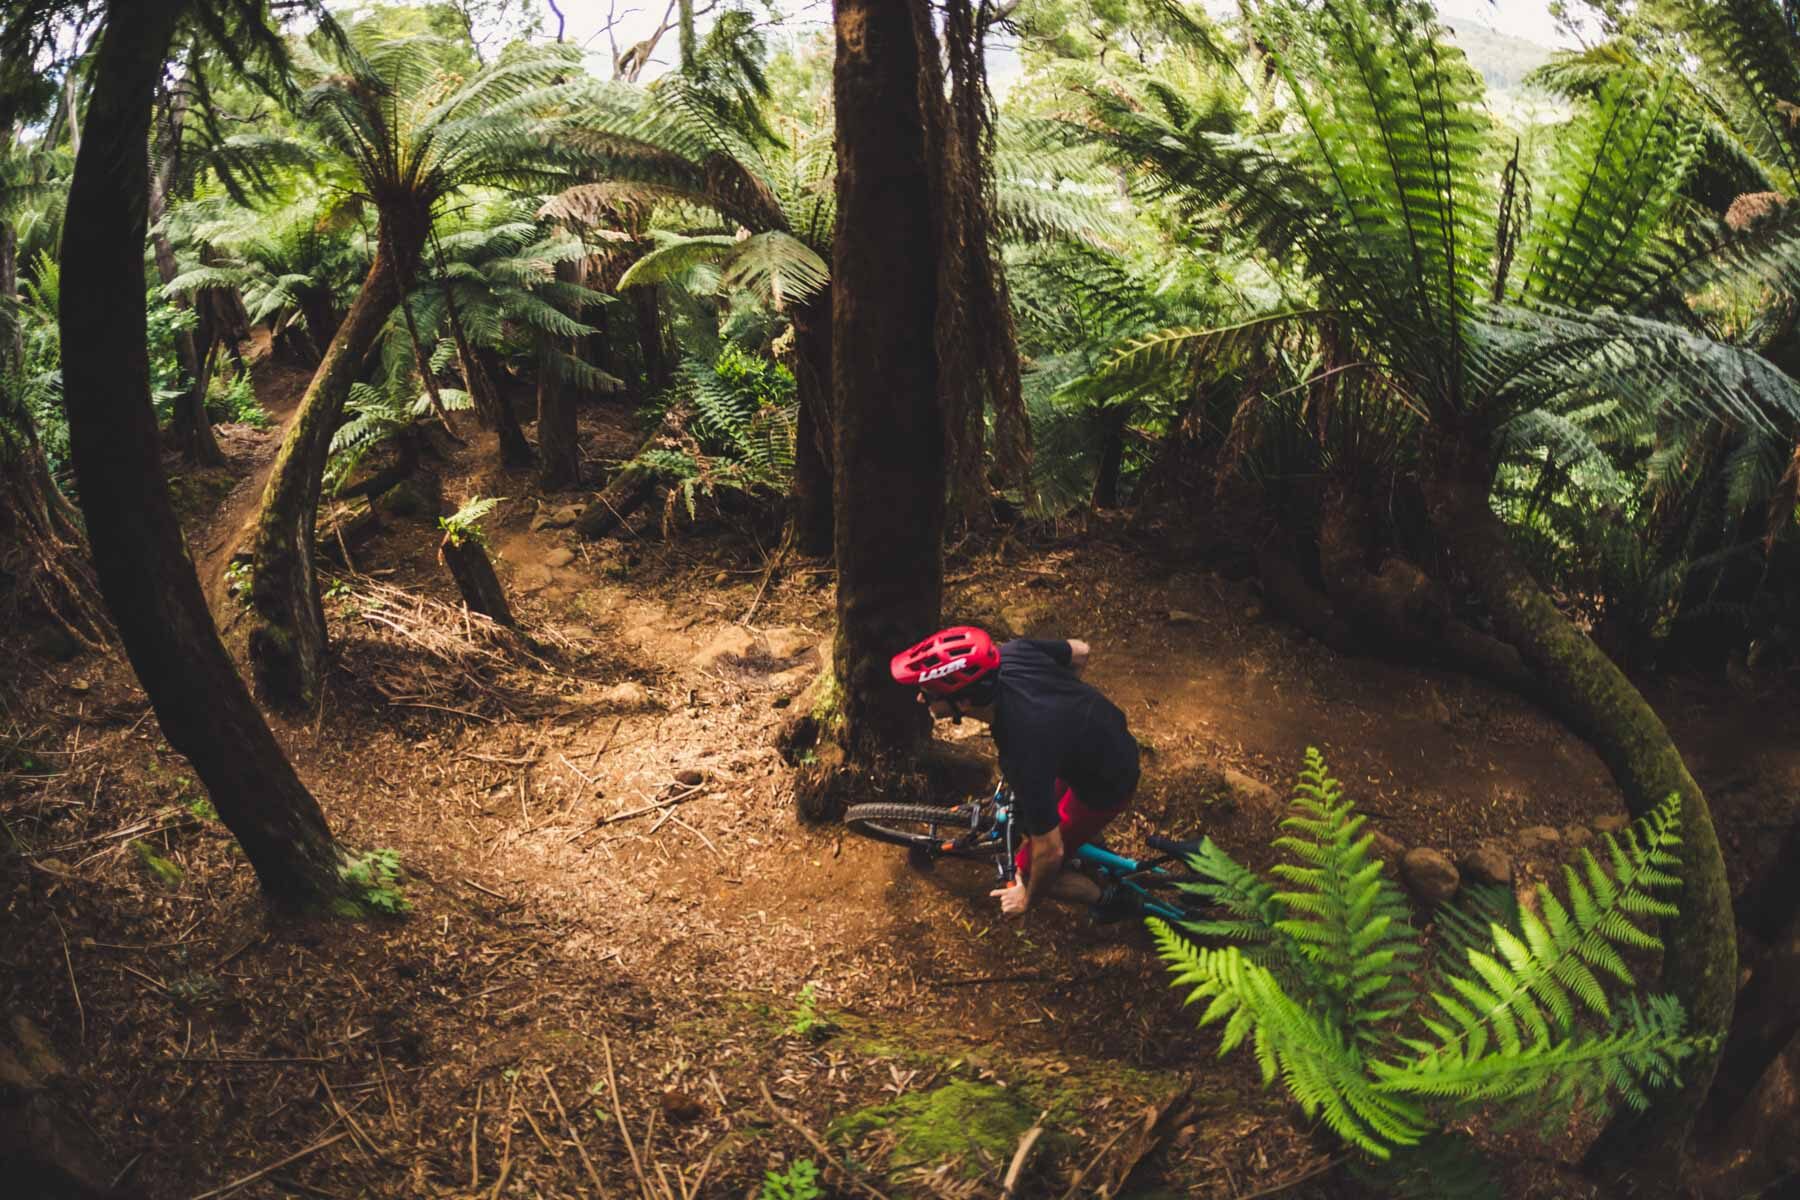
x=672, y=801
x=475, y=1141
x=813, y=1139
x=1276, y=1189
x=506, y=1142
x=80, y=1012
x=612, y=1087
x=235, y=1184
x=574, y=1134
x=1020, y=1157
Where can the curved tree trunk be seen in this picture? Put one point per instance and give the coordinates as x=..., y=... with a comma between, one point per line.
x=142, y=562
x=287, y=632
x=812, y=487
x=890, y=509
x=1593, y=696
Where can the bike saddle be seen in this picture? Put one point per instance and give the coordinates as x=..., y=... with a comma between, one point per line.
x=1171, y=846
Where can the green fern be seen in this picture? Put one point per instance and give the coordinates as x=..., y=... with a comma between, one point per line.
x=465, y=523
x=1326, y=986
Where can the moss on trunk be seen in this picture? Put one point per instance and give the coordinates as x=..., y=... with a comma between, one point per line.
x=287, y=631
x=1644, y=1151
x=811, y=515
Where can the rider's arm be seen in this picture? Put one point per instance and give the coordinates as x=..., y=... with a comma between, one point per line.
x=1046, y=862
x=1078, y=655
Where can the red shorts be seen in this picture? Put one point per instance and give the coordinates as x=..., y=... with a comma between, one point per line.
x=1079, y=824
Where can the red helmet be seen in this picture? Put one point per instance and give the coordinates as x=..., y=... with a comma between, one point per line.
x=948, y=661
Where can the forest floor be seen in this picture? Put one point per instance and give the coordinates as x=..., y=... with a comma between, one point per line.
x=584, y=1002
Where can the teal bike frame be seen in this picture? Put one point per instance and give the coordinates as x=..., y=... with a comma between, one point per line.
x=1147, y=877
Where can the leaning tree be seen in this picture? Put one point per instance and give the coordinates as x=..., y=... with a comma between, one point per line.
x=414, y=132
x=144, y=570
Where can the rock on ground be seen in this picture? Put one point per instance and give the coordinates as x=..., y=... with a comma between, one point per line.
x=1430, y=874
x=1488, y=863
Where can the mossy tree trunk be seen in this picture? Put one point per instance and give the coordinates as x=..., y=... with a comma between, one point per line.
x=811, y=497
x=143, y=568
x=1642, y=1152
x=890, y=509
x=287, y=631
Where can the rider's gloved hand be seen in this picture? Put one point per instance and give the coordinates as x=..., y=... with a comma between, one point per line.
x=1014, y=899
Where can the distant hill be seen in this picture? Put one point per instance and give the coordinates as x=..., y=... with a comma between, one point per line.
x=1502, y=59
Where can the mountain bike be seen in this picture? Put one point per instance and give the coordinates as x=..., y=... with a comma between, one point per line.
x=983, y=831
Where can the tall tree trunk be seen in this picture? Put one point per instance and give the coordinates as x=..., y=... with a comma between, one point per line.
x=144, y=572
x=1646, y=1150
x=811, y=497
x=559, y=453
x=287, y=632
x=9, y=294
x=493, y=409
x=890, y=509
x=192, y=429
x=647, y=306
x=1113, y=420
x=686, y=19
x=320, y=316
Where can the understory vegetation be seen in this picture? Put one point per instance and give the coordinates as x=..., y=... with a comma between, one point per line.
x=1460, y=357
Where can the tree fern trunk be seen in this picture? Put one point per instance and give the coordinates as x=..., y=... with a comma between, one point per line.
x=890, y=509
x=192, y=430
x=1592, y=695
x=647, y=307
x=1113, y=421
x=287, y=632
x=144, y=572
x=812, y=487
x=9, y=292
x=490, y=406
x=559, y=452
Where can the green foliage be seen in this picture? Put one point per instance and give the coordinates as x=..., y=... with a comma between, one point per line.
x=163, y=870
x=465, y=523
x=1323, y=980
x=235, y=400
x=728, y=426
x=806, y=1021
x=799, y=1180
x=373, y=879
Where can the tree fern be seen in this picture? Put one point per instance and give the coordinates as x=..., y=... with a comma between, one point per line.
x=1326, y=990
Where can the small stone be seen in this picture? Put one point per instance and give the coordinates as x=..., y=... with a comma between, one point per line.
x=79, y=686
x=1181, y=616
x=689, y=777
x=627, y=695
x=1537, y=839
x=1386, y=848
x=531, y=578
x=679, y=1108
x=1578, y=837
x=789, y=643
x=1488, y=863
x=1613, y=823
x=722, y=577
x=562, y=556
x=1431, y=875
x=733, y=641
x=1253, y=612
x=1248, y=789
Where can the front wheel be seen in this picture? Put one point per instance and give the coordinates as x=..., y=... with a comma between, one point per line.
x=939, y=831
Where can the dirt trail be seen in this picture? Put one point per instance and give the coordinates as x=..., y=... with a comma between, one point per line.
x=250, y=456
x=552, y=929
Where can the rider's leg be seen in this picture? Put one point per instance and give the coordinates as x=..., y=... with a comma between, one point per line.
x=1079, y=824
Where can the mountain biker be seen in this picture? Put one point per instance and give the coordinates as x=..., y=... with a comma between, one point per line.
x=1064, y=748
